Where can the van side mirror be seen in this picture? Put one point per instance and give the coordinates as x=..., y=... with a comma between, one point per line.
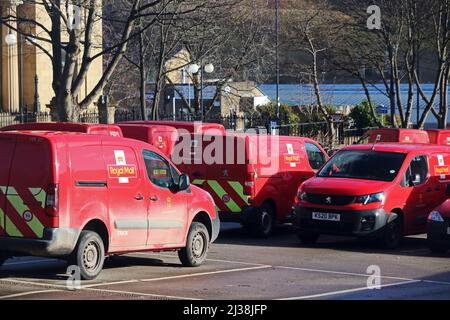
x=184, y=182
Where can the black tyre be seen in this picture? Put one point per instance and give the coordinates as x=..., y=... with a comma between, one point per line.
x=196, y=250
x=89, y=255
x=393, y=234
x=308, y=237
x=437, y=248
x=264, y=220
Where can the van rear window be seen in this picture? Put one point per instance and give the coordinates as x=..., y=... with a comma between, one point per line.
x=365, y=165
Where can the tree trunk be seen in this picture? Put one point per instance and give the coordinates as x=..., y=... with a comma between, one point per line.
x=143, y=78
x=157, y=100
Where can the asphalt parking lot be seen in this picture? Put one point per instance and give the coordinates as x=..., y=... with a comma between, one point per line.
x=240, y=267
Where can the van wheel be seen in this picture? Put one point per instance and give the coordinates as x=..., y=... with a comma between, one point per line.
x=89, y=255
x=194, y=254
x=264, y=220
x=436, y=248
x=308, y=237
x=393, y=234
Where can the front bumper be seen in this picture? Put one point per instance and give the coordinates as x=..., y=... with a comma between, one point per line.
x=438, y=232
x=56, y=242
x=215, y=223
x=352, y=223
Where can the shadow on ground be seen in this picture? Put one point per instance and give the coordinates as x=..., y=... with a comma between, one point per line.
x=285, y=236
x=56, y=269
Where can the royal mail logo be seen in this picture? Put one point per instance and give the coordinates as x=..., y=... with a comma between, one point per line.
x=438, y=170
x=126, y=171
x=292, y=158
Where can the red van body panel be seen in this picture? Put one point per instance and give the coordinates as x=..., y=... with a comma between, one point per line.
x=438, y=233
x=100, y=129
x=398, y=135
x=250, y=171
x=191, y=127
x=161, y=137
x=441, y=137
x=80, y=180
x=337, y=195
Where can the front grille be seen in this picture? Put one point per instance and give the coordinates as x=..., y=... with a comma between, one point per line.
x=329, y=199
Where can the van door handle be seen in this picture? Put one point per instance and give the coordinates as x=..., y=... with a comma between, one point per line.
x=429, y=190
x=139, y=198
x=154, y=198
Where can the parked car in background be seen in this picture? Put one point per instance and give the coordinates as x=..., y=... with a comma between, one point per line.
x=439, y=137
x=161, y=137
x=398, y=135
x=255, y=178
x=383, y=191
x=99, y=129
x=439, y=228
x=84, y=197
x=190, y=126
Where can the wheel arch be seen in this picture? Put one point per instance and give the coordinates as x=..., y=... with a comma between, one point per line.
x=98, y=226
x=205, y=219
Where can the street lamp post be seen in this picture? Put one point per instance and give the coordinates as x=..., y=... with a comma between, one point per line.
x=195, y=69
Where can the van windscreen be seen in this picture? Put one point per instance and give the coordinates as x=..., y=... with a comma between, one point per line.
x=363, y=164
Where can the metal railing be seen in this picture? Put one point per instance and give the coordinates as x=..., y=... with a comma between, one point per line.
x=318, y=131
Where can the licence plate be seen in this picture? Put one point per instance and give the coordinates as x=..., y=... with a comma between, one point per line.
x=448, y=230
x=326, y=216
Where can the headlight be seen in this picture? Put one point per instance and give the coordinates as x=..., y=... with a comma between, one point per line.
x=370, y=198
x=435, y=216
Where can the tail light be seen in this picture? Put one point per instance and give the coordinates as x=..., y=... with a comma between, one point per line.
x=249, y=187
x=249, y=184
x=51, y=202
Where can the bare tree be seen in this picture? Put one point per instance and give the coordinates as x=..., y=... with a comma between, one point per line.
x=72, y=46
x=306, y=28
x=408, y=28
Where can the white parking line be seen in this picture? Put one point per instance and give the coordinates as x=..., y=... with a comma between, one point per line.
x=333, y=293
x=92, y=287
x=207, y=273
x=362, y=275
x=343, y=273
x=83, y=288
x=208, y=259
x=17, y=295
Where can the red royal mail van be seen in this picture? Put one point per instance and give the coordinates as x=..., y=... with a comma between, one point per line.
x=398, y=135
x=161, y=137
x=383, y=190
x=252, y=178
x=439, y=228
x=84, y=197
x=439, y=137
x=101, y=129
x=192, y=127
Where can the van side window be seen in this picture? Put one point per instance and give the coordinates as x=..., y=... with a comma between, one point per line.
x=417, y=172
x=315, y=156
x=159, y=171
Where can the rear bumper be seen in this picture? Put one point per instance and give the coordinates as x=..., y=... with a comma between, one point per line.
x=56, y=242
x=352, y=223
x=438, y=234
x=215, y=228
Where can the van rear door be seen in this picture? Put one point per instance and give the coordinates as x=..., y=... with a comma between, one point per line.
x=7, y=145
x=31, y=174
x=226, y=165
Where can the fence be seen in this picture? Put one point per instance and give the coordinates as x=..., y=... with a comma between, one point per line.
x=318, y=131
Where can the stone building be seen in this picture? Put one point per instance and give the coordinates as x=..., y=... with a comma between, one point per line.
x=25, y=67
